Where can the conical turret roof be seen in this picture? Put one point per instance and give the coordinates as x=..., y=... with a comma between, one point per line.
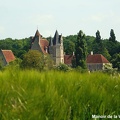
x=51, y=42
x=56, y=38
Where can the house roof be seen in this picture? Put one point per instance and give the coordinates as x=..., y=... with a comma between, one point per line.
x=68, y=59
x=37, y=34
x=9, y=56
x=44, y=45
x=96, y=58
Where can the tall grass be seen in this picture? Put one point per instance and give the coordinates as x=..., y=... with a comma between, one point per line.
x=53, y=95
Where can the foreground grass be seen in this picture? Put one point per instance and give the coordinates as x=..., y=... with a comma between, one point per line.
x=52, y=95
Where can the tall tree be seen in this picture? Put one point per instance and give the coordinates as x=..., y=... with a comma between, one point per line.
x=112, y=36
x=98, y=37
x=70, y=48
x=98, y=45
x=81, y=50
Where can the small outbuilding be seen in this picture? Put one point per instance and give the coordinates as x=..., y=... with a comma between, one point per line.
x=97, y=62
x=6, y=56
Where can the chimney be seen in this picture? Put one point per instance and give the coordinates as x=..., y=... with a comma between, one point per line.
x=91, y=52
x=73, y=53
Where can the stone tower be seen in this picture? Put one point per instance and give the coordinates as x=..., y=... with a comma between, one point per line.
x=56, y=48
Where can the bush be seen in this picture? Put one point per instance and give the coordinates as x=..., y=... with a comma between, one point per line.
x=80, y=69
x=33, y=60
x=63, y=67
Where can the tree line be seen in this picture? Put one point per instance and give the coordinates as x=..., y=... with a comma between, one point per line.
x=80, y=44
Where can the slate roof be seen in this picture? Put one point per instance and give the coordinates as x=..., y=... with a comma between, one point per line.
x=9, y=56
x=68, y=59
x=51, y=42
x=57, y=38
x=97, y=58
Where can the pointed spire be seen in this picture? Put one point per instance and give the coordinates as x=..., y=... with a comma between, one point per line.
x=56, y=38
x=37, y=33
x=51, y=41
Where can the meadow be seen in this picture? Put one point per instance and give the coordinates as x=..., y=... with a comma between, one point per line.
x=55, y=95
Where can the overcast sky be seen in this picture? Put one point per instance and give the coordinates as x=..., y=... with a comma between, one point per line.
x=21, y=18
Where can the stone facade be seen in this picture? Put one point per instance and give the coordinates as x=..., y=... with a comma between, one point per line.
x=54, y=47
x=3, y=61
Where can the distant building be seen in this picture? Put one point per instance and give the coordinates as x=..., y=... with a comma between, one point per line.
x=54, y=47
x=68, y=59
x=6, y=56
x=97, y=62
x=38, y=43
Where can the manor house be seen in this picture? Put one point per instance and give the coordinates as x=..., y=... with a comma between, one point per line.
x=54, y=47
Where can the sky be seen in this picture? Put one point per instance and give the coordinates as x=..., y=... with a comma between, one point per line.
x=21, y=18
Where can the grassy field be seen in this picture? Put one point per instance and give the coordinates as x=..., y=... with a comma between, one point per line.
x=53, y=95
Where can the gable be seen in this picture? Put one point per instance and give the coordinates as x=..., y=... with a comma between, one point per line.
x=9, y=56
x=38, y=43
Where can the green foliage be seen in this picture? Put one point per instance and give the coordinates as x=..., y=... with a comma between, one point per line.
x=107, y=47
x=98, y=45
x=63, y=67
x=1, y=66
x=48, y=62
x=33, y=95
x=81, y=70
x=81, y=50
x=116, y=61
x=19, y=47
x=13, y=65
x=89, y=41
x=69, y=44
x=70, y=48
x=33, y=60
x=98, y=37
x=106, y=54
x=112, y=36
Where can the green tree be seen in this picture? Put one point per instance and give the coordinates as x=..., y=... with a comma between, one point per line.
x=105, y=53
x=48, y=62
x=70, y=48
x=33, y=60
x=81, y=50
x=112, y=36
x=99, y=47
x=116, y=61
x=98, y=37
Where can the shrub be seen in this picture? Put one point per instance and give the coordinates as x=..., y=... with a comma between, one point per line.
x=33, y=60
x=63, y=67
